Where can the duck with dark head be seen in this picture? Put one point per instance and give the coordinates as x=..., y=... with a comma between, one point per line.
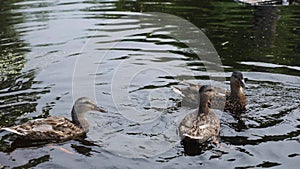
x=236, y=99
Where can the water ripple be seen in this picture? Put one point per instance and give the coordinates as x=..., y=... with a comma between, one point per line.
x=42, y=42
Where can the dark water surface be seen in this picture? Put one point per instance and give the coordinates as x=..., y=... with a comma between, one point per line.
x=52, y=52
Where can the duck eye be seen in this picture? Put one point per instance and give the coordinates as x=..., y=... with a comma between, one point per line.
x=209, y=90
x=87, y=102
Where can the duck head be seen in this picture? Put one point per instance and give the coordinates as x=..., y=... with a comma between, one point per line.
x=81, y=106
x=206, y=93
x=237, y=83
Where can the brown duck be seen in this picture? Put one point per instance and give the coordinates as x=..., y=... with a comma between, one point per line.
x=57, y=127
x=202, y=124
x=233, y=100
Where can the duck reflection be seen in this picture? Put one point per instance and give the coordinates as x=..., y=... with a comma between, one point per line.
x=81, y=146
x=192, y=147
x=86, y=147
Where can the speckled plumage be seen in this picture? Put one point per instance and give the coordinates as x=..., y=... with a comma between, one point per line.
x=201, y=128
x=202, y=124
x=233, y=100
x=57, y=127
x=51, y=128
x=235, y=104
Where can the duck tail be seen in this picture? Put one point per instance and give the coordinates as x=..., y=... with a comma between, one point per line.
x=12, y=131
x=177, y=90
x=192, y=137
x=189, y=84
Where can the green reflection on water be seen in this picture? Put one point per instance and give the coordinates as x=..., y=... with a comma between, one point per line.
x=240, y=33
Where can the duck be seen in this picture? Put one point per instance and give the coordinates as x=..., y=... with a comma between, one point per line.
x=232, y=101
x=202, y=124
x=57, y=127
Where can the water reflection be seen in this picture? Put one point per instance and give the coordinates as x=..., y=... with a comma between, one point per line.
x=35, y=161
x=265, y=25
x=42, y=40
x=193, y=148
x=19, y=91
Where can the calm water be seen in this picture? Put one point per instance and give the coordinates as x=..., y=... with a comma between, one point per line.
x=127, y=60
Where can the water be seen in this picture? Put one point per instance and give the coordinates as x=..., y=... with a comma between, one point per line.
x=55, y=51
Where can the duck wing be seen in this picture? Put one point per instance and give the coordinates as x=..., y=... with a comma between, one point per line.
x=199, y=128
x=236, y=105
x=51, y=128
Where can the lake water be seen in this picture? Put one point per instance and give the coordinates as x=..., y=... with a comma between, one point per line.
x=127, y=55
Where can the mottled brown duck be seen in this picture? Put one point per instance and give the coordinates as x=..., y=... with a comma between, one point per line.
x=233, y=100
x=57, y=127
x=202, y=124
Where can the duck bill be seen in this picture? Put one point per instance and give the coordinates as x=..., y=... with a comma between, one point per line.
x=100, y=109
x=242, y=82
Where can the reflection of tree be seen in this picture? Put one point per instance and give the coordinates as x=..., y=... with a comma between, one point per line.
x=260, y=33
x=265, y=24
x=17, y=97
x=239, y=32
x=275, y=37
x=11, y=47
